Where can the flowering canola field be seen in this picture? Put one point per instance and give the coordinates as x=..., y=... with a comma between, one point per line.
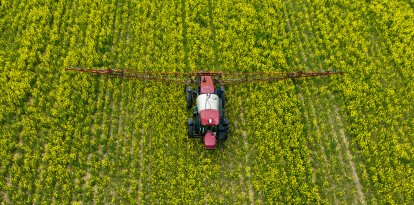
x=81, y=139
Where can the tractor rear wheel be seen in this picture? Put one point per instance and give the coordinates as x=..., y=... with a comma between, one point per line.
x=223, y=129
x=222, y=136
x=189, y=96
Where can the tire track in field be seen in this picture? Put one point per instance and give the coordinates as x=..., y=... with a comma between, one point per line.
x=136, y=183
x=108, y=94
x=228, y=152
x=121, y=138
x=6, y=198
x=101, y=135
x=225, y=183
x=141, y=148
x=119, y=148
x=320, y=144
x=305, y=102
x=121, y=104
x=132, y=117
x=333, y=132
x=247, y=156
x=306, y=115
x=120, y=118
x=339, y=121
x=345, y=141
x=128, y=142
x=345, y=161
x=93, y=128
x=103, y=88
x=293, y=25
x=115, y=41
x=238, y=125
x=106, y=123
x=355, y=177
x=112, y=125
x=107, y=119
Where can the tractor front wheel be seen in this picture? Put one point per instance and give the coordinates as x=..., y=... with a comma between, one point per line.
x=223, y=96
x=189, y=96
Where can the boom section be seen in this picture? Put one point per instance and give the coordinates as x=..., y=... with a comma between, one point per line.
x=247, y=77
x=173, y=77
x=223, y=78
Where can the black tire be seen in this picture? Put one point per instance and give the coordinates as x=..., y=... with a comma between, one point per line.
x=190, y=131
x=225, y=124
x=224, y=129
x=222, y=136
x=189, y=96
x=190, y=128
x=223, y=96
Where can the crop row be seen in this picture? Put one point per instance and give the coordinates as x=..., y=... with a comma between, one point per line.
x=79, y=138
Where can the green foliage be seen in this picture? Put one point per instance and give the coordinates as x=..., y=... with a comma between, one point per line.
x=73, y=138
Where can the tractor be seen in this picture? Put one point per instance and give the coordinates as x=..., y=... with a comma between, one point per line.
x=207, y=102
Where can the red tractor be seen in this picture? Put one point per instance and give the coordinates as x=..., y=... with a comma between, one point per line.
x=208, y=121
x=208, y=99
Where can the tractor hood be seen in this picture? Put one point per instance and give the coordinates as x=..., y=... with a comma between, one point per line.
x=209, y=140
x=208, y=108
